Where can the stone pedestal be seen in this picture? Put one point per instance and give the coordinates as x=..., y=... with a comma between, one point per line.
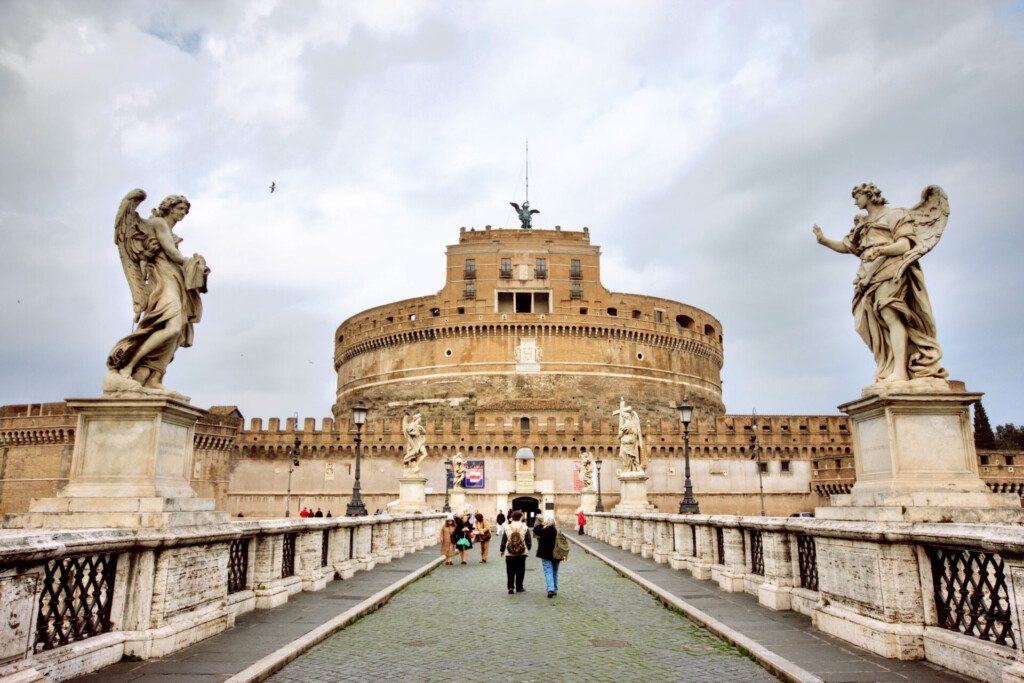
x=457, y=500
x=131, y=467
x=915, y=460
x=588, y=501
x=633, y=493
x=412, y=496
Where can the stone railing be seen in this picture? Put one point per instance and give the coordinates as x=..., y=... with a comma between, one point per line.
x=75, y=601
x=952, y=594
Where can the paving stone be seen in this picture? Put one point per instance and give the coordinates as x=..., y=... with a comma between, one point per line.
x=459, y=623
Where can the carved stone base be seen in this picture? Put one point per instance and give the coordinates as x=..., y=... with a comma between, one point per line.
x=457, y=500
x=130, y=468
x=633, y=493
x=588, y=501
x=915, y=459
x=412, y=495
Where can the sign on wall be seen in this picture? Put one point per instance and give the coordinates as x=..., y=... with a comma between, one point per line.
x=474, y=474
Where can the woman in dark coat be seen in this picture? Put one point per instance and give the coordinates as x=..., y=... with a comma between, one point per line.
x=463, y=530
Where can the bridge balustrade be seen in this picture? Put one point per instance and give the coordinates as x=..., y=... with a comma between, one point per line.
x=75, y=601
x=949, y=593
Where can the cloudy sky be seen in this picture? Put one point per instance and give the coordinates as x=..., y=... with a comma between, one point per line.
x=699, y=141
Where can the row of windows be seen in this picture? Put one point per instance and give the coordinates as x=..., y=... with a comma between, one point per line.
x=540, y=269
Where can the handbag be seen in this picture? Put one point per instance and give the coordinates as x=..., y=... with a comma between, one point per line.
x=463, y=544
x=485, y=536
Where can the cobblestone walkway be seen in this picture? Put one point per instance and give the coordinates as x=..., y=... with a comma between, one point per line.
x=459, y=623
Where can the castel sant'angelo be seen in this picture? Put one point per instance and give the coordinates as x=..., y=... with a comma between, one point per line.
x=518, y=364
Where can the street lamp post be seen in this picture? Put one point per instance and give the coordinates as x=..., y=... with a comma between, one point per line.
x=291, y=467
x=688, y=506
x=600, y=506
x=447, y=486
x=355, y=506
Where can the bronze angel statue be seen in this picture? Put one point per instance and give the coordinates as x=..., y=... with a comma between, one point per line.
x=165, y=288
x=891, y=310
x=525, y=214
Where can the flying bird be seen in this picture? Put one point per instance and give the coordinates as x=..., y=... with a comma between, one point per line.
x=273, y=186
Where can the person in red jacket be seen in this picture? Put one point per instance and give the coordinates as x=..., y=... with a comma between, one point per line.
x=304, y=512
x=581, y=521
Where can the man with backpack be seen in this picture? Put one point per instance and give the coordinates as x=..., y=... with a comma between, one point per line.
x=515, y=541
x=552, y=549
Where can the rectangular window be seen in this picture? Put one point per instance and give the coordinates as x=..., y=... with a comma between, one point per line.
x=659, y=316
x=784, y=465
x=506, y=268
x=1009, y=460
x=763, y=466
x=575, y=272
x=576, y=291
x=470, y=292
x=541, y=269
x=524, y=302
x=470, y=269
x=506, y=302
x=541, y=302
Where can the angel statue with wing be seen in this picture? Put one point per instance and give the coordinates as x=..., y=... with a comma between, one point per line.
x=165, y=288
x=415, y=443
x=525, y=214
x=631, y=438
x=891, y=310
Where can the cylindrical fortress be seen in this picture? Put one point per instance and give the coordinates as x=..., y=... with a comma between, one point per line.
x=523, y=315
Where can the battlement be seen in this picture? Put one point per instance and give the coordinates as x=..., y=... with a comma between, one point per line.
x=518, y=235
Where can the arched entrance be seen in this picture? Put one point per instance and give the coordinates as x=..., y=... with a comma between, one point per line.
x=530, y=507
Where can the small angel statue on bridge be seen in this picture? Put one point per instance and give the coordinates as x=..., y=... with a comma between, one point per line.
x=165, y=287
x=891, y=310
x=415, y=443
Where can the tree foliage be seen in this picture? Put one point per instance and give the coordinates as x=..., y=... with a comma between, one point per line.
x=984, y=439
x=1010, y=437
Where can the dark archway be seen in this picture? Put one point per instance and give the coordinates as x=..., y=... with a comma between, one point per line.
x=529, y=506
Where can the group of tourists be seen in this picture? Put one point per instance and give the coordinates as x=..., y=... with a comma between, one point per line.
x=306, y=512
x=460, y=533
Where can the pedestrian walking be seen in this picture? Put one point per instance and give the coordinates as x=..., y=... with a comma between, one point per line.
x=319, y=513
x=447, y=539
x=552, y=548
x=483, y=536
x=515, y=541
x=500, y=519
x=581, y=521
x=463, y=536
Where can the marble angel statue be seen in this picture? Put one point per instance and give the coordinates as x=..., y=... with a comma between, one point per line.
x=415, y=442
x=165, y=287
x=587, y=470
x=631, y=440
x=459, y=471
x=891, y=310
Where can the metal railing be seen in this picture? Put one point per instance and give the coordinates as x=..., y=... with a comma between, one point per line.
x=288, y=556
x=756, y=553
x=807, y=558
x=238, y=565
x=970, y=593
x=76, y=599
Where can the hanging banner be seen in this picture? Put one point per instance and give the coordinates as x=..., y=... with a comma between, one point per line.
x=474, y=474
x=577, y=483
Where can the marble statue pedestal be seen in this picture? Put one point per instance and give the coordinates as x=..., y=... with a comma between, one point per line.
x=588, y=500
x=412, y=496
x=633, y=493
x=915, y=460
x=457, y=500
x=131, y=468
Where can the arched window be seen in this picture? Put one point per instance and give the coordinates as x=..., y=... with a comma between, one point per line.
x=684, y=322
x=709, y=330
x=613, y=311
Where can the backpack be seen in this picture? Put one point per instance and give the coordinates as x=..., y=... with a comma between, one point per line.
x=561, y=551
x=515, y=545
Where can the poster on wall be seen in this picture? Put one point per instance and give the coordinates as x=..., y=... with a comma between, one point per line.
x=577, y=483
x=474, y=474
